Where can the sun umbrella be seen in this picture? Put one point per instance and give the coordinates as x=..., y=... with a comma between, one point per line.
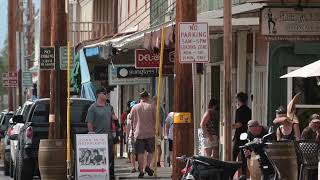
x=310, y=70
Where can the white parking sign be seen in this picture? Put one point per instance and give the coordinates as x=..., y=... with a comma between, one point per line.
x=193, y=42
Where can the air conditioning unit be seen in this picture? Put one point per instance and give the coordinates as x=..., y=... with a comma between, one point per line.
x=106, y=51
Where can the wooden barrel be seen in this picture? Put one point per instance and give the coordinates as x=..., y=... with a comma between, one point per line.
x=284, y=156
x=52, y=159
x=254, y=167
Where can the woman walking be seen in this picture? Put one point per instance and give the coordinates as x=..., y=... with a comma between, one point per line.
x=210, y=127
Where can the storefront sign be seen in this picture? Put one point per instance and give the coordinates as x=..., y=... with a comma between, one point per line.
x=150, y=59
x=64, y=58
x=10, y=79
x=290, y=23
x=47, y=58
x=27, y=79
x=127, y=72
x=115, y=80
x=193, y=42
x=92, y=157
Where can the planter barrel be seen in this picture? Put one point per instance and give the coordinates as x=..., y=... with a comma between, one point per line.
x=284, y=156
x=52, y=159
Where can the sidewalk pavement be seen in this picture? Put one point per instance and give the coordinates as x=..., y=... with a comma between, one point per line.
x=122, y=171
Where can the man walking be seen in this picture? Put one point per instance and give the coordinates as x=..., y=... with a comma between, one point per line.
x=143, y=116
x=243, y=115
x=99, y=120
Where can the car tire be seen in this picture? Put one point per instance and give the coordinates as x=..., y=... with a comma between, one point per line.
x=25, y=167
x=11, y=168
x=6, y=165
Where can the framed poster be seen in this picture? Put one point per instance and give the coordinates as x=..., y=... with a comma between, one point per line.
x=92, y=157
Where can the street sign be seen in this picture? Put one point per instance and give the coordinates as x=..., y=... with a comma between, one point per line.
x=193, y=42
x=127, y=72
x=64, y=58
x=27, y=79
x=150, y=59
x=10, y=79
x=47, y=58
x=92, y=157
x=114, y=80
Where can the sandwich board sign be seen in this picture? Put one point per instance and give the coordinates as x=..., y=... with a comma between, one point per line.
x=92, y=157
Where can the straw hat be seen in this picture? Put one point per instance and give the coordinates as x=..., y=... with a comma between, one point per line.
x=291, y=109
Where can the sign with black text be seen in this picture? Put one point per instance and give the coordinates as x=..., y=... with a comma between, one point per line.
x=92, y=157
x=131, y=72
x=10, y=79
x=47, y=58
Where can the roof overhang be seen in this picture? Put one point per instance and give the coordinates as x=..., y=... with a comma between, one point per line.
x=238, y=9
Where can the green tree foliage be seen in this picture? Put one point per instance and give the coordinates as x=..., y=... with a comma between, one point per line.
x=3, y=65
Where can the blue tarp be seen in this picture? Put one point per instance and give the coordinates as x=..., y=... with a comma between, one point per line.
x=87, y=89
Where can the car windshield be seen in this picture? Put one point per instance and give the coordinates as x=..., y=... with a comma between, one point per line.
x=5, y=120
x=79, y=109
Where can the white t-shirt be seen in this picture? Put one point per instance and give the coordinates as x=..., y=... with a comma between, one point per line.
x=169, y=121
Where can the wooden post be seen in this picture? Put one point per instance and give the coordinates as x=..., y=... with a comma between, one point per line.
x=183, y=140
x=44, y=75
x=12, y=12
x=227, y=54
x=58, y=88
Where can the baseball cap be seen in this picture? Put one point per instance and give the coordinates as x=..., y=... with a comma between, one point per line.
x=253, y=123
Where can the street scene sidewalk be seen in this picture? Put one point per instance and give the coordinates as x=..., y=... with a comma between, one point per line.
x=122, y=171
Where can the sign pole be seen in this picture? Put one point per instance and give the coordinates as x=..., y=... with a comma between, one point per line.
x=69, y=174
x=158, y=100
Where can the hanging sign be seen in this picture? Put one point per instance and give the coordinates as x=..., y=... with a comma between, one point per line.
x=115, y=80
x=92, y=157
x=286, y=23
x=64, y=58
x=27, y=79
x=193, y=42
x=47, y=59
x=127, y=72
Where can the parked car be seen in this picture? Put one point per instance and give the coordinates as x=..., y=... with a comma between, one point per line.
x=4, y=124
x=11, y=137
x=36, y=128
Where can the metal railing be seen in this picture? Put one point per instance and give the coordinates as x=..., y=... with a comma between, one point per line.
x=82, y=31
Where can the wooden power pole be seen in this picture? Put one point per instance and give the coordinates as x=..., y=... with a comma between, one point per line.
x=183, y=140
x=58, y=85
x=227, y=54
x=44, y=76
x=12, y=25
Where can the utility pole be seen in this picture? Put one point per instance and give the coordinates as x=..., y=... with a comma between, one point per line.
x=12, y=13
x=58, y=86
x=44, y=76
x=227, y=54
x=19, y=35
x=183, y=140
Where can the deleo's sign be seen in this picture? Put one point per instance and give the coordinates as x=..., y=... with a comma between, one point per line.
x=286, y=22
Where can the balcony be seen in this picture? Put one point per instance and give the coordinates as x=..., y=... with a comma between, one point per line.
x=209, y=5
x=82, y=31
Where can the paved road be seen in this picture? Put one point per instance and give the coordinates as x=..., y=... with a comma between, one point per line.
x=3, y=177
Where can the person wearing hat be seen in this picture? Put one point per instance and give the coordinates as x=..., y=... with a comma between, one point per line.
x=131, y=140
x=312, y=131
x=288, y=129
x=99, y=120
x=143, y=116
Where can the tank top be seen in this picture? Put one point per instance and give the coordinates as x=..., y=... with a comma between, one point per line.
x=213, y=124
x=288, y=137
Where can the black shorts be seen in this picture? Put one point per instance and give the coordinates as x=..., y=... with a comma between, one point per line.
x=170, y=145
x=142, y=145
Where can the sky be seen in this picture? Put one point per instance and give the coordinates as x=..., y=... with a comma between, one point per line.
x=4, y=18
